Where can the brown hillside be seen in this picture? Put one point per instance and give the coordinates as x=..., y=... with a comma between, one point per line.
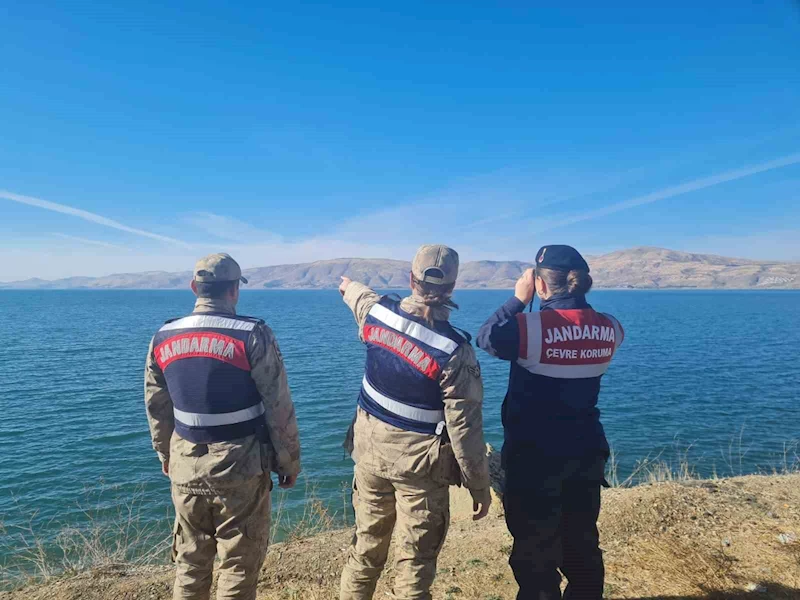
x=640, y=268
x=733, y=538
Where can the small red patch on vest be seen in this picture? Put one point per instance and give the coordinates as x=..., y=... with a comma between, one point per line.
x=202, y=345
x=576, y=337
x=403, y=347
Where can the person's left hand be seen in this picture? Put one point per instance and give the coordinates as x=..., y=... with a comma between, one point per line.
x=165, y=467
x=346, y=281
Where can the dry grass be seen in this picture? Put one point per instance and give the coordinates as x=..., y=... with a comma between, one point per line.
x=680, y=468
x=671, y=537
x=316, y=517
x=694, y=540
x=120, y=540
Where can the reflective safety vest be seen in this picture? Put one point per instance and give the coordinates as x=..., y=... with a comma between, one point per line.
x=405, y=358
x=204, y=360
x=554, y=385
x=568, y=344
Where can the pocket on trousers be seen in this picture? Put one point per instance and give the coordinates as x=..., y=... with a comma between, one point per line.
x=257, y=528
x=176, y=534
x=445, y=467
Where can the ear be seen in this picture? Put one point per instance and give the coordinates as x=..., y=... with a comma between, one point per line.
x=541, y=287
x=193, y=285
x=411, y=281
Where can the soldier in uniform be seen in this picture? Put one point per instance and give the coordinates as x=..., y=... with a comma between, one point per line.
x=555, y=447
x=221, y=419
x=418, y=428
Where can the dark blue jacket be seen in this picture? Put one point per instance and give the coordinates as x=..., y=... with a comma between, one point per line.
x=558, y=356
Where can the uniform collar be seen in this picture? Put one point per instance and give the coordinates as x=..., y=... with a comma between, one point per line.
x=214, y=305
x=414, y=305
x=564, y=302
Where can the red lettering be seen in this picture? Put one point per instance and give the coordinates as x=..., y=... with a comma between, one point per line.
x=587, y=348
x=202, y=344
x=401, y=346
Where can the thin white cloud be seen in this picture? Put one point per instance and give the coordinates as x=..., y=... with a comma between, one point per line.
x=670, y=192
x=82, y=240
x=229, y=228
x=86, y=216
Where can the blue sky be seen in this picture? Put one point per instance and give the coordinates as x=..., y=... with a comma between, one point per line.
x=136, y=136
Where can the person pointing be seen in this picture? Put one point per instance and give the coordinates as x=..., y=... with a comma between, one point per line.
x=418, y=428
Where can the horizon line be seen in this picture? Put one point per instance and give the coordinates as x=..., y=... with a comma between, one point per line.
x=245, y=270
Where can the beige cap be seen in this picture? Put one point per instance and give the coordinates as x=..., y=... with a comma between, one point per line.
x=435, y=264
x=217, y=267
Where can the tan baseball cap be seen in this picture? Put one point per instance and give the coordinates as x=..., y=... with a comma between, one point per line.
x=217, y=267
x=435, y=264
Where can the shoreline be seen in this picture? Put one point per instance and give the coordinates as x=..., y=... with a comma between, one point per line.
x=688, y=539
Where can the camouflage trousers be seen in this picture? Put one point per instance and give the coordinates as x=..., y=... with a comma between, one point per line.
x=233, y=526
x=418, y=511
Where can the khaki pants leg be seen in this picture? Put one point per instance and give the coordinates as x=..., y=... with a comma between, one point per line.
x=423, y=517
x=194, y=546
x=374, y=505
x=242, y=520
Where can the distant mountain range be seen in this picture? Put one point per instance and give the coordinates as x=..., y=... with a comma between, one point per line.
x=639, y=268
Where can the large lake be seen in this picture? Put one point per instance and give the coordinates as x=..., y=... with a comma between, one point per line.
x=717, y=373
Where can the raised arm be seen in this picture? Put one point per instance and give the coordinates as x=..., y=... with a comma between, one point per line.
x=269, y=375
x=360, y=299
x=500, y=334
x=158, y=405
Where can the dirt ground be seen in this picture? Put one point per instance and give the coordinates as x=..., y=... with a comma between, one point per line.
x=731, y=538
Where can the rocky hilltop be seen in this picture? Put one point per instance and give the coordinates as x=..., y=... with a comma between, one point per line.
x=636, y=268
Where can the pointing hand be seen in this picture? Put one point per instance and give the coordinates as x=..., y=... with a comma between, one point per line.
x=343, y=286
x=526, y=287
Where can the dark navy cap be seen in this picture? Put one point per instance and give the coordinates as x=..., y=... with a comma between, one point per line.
x=561, y=258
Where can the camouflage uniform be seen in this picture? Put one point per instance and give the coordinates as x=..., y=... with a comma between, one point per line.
x=221, y=490
x=402, y=477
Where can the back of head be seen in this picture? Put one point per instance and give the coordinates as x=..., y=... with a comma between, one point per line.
x=216, y=275
x=559, y=283
x=564, y=270
x=434, y=272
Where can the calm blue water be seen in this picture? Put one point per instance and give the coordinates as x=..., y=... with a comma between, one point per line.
x=699, y=369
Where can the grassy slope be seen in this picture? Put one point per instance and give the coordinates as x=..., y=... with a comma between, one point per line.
x=697, y=539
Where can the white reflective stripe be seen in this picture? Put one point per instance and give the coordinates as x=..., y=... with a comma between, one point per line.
x=414, y=330
x=564, y=371
x=402, y=410
x=209, y=321
x=212, y=420
x=534, y=332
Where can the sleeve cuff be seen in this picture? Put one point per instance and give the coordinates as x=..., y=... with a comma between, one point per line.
x=353, y=292
x=292, y=469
